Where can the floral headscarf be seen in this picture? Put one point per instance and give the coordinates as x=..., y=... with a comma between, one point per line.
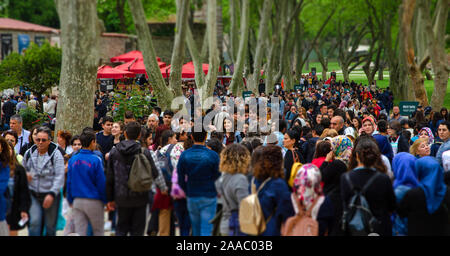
x=430, y=134
x=342, y=148
x=307, y=188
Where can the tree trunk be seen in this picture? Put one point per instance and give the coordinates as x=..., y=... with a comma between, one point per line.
x=234, y=29
x=120, y=6
x=380, y=71
x=263, y=34
x=196, y=58
x=211, y=79
x=416, y=75
x=176, y=63
x=80, y=37
x=219, y=21
x=236, y=82
x=163, y=94
x=438, y=54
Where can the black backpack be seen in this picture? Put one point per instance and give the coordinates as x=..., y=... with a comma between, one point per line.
x=357, y=219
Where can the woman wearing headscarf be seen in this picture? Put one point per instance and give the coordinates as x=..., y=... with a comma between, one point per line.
x=426, y=132
x=387, y=153
x=307, y=195
x=331, y=170
x=405, y=179
x=369, y=126
x=427, y=205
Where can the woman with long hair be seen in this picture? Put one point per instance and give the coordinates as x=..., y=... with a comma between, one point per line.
x=163, y=202
x=20, y=200
x=273, y=195
x=323, y=147
x=444, y=114
x=366, y=165
x=293, y=154
x=6, y=161
x=232, y=186
x=31, y=140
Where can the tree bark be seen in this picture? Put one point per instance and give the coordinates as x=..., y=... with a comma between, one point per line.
x=236, y=82
x=163, y=94
x=196, y=57
x=211, y=79
x=120, y=6
x=234, y=29
x=437, y=51
x=416, y=75
x=80, y=37
x=179, y=46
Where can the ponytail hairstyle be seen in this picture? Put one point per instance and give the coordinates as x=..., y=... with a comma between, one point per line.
x=293, y=134
x=368, y=153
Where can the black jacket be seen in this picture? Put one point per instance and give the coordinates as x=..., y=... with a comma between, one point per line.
x=118, y=168
x=380, y=196
x=21, y=200
x=420, y=223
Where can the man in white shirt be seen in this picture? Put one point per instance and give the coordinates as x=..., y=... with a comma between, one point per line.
x=22, y=134
x=51, y=106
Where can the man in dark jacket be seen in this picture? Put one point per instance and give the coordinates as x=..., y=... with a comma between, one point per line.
x=131, y=206
x=9, y=109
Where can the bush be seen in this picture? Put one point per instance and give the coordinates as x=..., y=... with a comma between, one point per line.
x=31, y=117
x=137, y=102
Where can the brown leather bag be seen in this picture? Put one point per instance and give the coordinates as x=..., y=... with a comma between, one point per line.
x=301, y=224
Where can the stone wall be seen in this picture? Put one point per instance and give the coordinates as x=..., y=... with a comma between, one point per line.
x=113, y=44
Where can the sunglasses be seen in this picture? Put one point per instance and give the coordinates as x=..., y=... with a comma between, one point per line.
x=41, y=140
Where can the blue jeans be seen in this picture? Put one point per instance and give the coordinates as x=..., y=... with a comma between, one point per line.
x=182, y=213
x=201, y=211
x=40, y=216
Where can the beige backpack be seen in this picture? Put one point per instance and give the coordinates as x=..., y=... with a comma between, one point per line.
x=251, y=217
x=301, y=224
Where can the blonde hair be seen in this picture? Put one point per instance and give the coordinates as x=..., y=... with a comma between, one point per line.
x=328, y=132
x=235, y=158
x=415, y=146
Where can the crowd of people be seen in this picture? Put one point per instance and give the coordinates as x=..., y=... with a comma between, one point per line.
x=328, y=144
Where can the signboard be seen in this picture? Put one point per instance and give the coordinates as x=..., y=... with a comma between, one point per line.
x=407, y=108
x=106, y=85
x=297, y=87
x=7, y=46
x=24, y=42
x=246, y=94
x=39, y=40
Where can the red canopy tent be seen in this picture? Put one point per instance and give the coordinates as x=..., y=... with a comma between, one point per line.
x=187, y=71
x=137, y=66
x=110, y=72
x=129, y=56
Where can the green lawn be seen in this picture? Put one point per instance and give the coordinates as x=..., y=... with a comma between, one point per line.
x=359, y=77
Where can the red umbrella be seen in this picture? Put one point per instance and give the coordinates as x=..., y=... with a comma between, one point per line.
x=137, y=66
x=109, y=72
x=129, y=56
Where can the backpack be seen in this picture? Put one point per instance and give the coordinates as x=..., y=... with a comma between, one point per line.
x=251, y=217
x=357, y=219
x=302, y=224
x=140, y=178
x=166, y=164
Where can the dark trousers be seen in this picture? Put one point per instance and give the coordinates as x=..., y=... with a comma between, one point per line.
x=181, y=211
x=131, y=220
